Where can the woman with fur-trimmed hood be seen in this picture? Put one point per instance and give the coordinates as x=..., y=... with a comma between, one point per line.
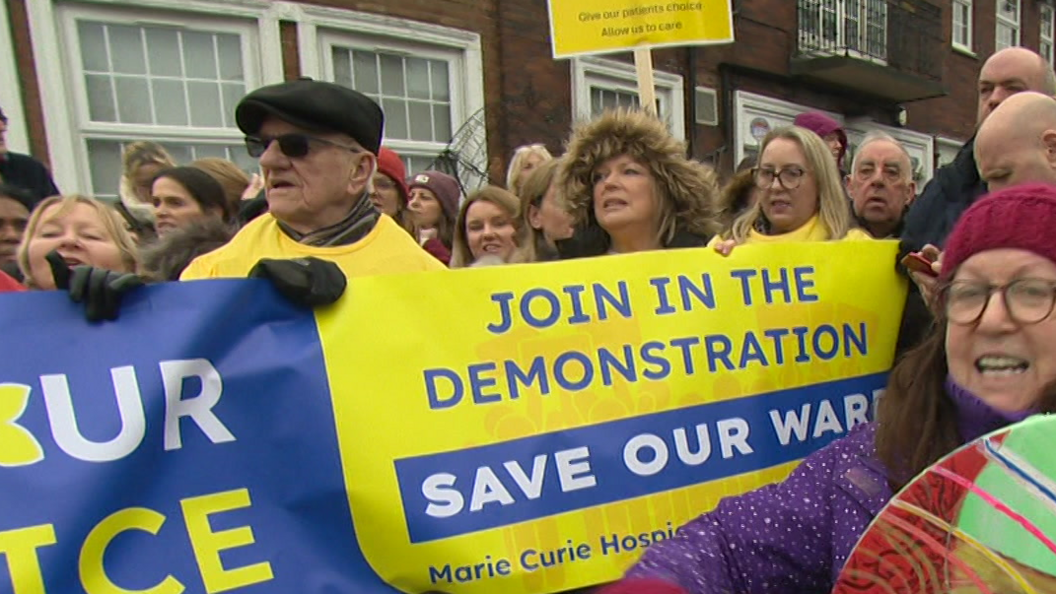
x=629, y=186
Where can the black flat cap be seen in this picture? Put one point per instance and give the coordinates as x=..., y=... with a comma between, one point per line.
x=314, y=105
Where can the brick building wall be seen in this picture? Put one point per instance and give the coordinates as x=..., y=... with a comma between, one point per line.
x=528, y=96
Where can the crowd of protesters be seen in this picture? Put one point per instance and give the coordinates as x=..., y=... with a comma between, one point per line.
x=978, y=346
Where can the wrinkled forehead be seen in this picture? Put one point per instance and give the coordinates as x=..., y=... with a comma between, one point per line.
x=883, y=152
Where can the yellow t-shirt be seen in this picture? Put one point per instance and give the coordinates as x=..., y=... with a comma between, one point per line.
x=812, y=230
x=387, y=249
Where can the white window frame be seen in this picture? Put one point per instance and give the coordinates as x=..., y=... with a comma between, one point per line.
x=946, y=150
x=1050, y=55
x=320, y=28
x=1015, y=25
x=17, y=138
x=62, y=83
x=748, y=106
x=966, y=46
x=614, y=75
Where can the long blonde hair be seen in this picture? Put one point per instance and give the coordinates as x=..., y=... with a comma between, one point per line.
x=519, y=160
x=111, y=220
x=462, y=256
x=532, y=194
x=833, y=207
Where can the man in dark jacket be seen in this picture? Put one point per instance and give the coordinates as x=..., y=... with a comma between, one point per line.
x=957, y=185
x=23, y=171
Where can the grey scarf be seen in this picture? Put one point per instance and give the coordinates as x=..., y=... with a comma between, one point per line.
x=347, y=231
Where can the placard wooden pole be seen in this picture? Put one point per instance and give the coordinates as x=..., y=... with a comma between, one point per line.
x=643, y=65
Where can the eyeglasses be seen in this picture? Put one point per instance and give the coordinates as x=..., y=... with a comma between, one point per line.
x=1027, y=300
x=292, y=145
x=789, y=177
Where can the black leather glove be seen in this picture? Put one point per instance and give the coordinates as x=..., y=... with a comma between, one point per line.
x=308, y=282
x=100, y=290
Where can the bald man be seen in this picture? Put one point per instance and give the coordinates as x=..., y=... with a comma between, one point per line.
x=957, y=185
x=1017, y=143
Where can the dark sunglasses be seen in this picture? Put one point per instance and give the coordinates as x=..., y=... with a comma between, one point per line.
x=292, y=145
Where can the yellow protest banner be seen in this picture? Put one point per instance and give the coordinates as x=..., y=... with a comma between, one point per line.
x=579, y=27
x=530, y=429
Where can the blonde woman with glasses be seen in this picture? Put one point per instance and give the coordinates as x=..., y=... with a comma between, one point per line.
x=800, y=195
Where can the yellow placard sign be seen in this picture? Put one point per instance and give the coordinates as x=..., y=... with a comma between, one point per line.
x=579, y=27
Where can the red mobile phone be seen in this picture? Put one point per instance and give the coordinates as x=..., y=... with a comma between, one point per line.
x=917, y=262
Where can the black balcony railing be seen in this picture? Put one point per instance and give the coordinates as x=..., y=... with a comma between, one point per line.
x=900, y=35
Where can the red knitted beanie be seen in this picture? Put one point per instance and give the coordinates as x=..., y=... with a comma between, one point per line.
x=389, y=163
x=1020, y=217
x=642, y=586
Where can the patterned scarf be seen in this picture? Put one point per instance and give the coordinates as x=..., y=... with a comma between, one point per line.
x=347, y=231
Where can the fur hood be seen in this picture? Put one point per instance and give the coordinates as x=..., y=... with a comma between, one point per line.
x=691, y=185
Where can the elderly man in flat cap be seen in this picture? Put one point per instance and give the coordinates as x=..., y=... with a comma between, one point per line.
x=317, y=143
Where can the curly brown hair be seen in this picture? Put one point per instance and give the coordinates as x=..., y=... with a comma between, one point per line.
x=688, y=187
x=733, y=200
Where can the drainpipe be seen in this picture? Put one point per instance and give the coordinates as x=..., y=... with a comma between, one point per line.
x=728, y=131
x=691, y=60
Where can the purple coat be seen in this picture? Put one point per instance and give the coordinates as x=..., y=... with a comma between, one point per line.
x=794, y=537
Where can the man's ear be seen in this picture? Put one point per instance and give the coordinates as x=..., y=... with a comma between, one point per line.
x=1048, y=141
x=364, y=169
x=911, y=189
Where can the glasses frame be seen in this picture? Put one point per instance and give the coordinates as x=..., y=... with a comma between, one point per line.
x=990, y=290
x=256, y=146
x=777, y=175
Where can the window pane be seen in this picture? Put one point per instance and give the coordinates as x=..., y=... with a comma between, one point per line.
x=170, y=104
x=210, y=150
x=421, y=120
x=163, y=48
x=126, y=49
x=417, y=78
x=241, y=157
x=181, y=153
x=230, y=55
x=93, y=46
x=596, y=99
x=392, y=75
x=199, y=56
x=133, y=101
x=442, y=122
x=441, y=86
x=104, y=163
x=365, y=67
x=205, y=104
x=100, y=98
x=342, y=67
x=233, y=93
x=1008, y=8
x=395, y=118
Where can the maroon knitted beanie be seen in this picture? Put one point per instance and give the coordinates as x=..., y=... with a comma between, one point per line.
x=1020, y=217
